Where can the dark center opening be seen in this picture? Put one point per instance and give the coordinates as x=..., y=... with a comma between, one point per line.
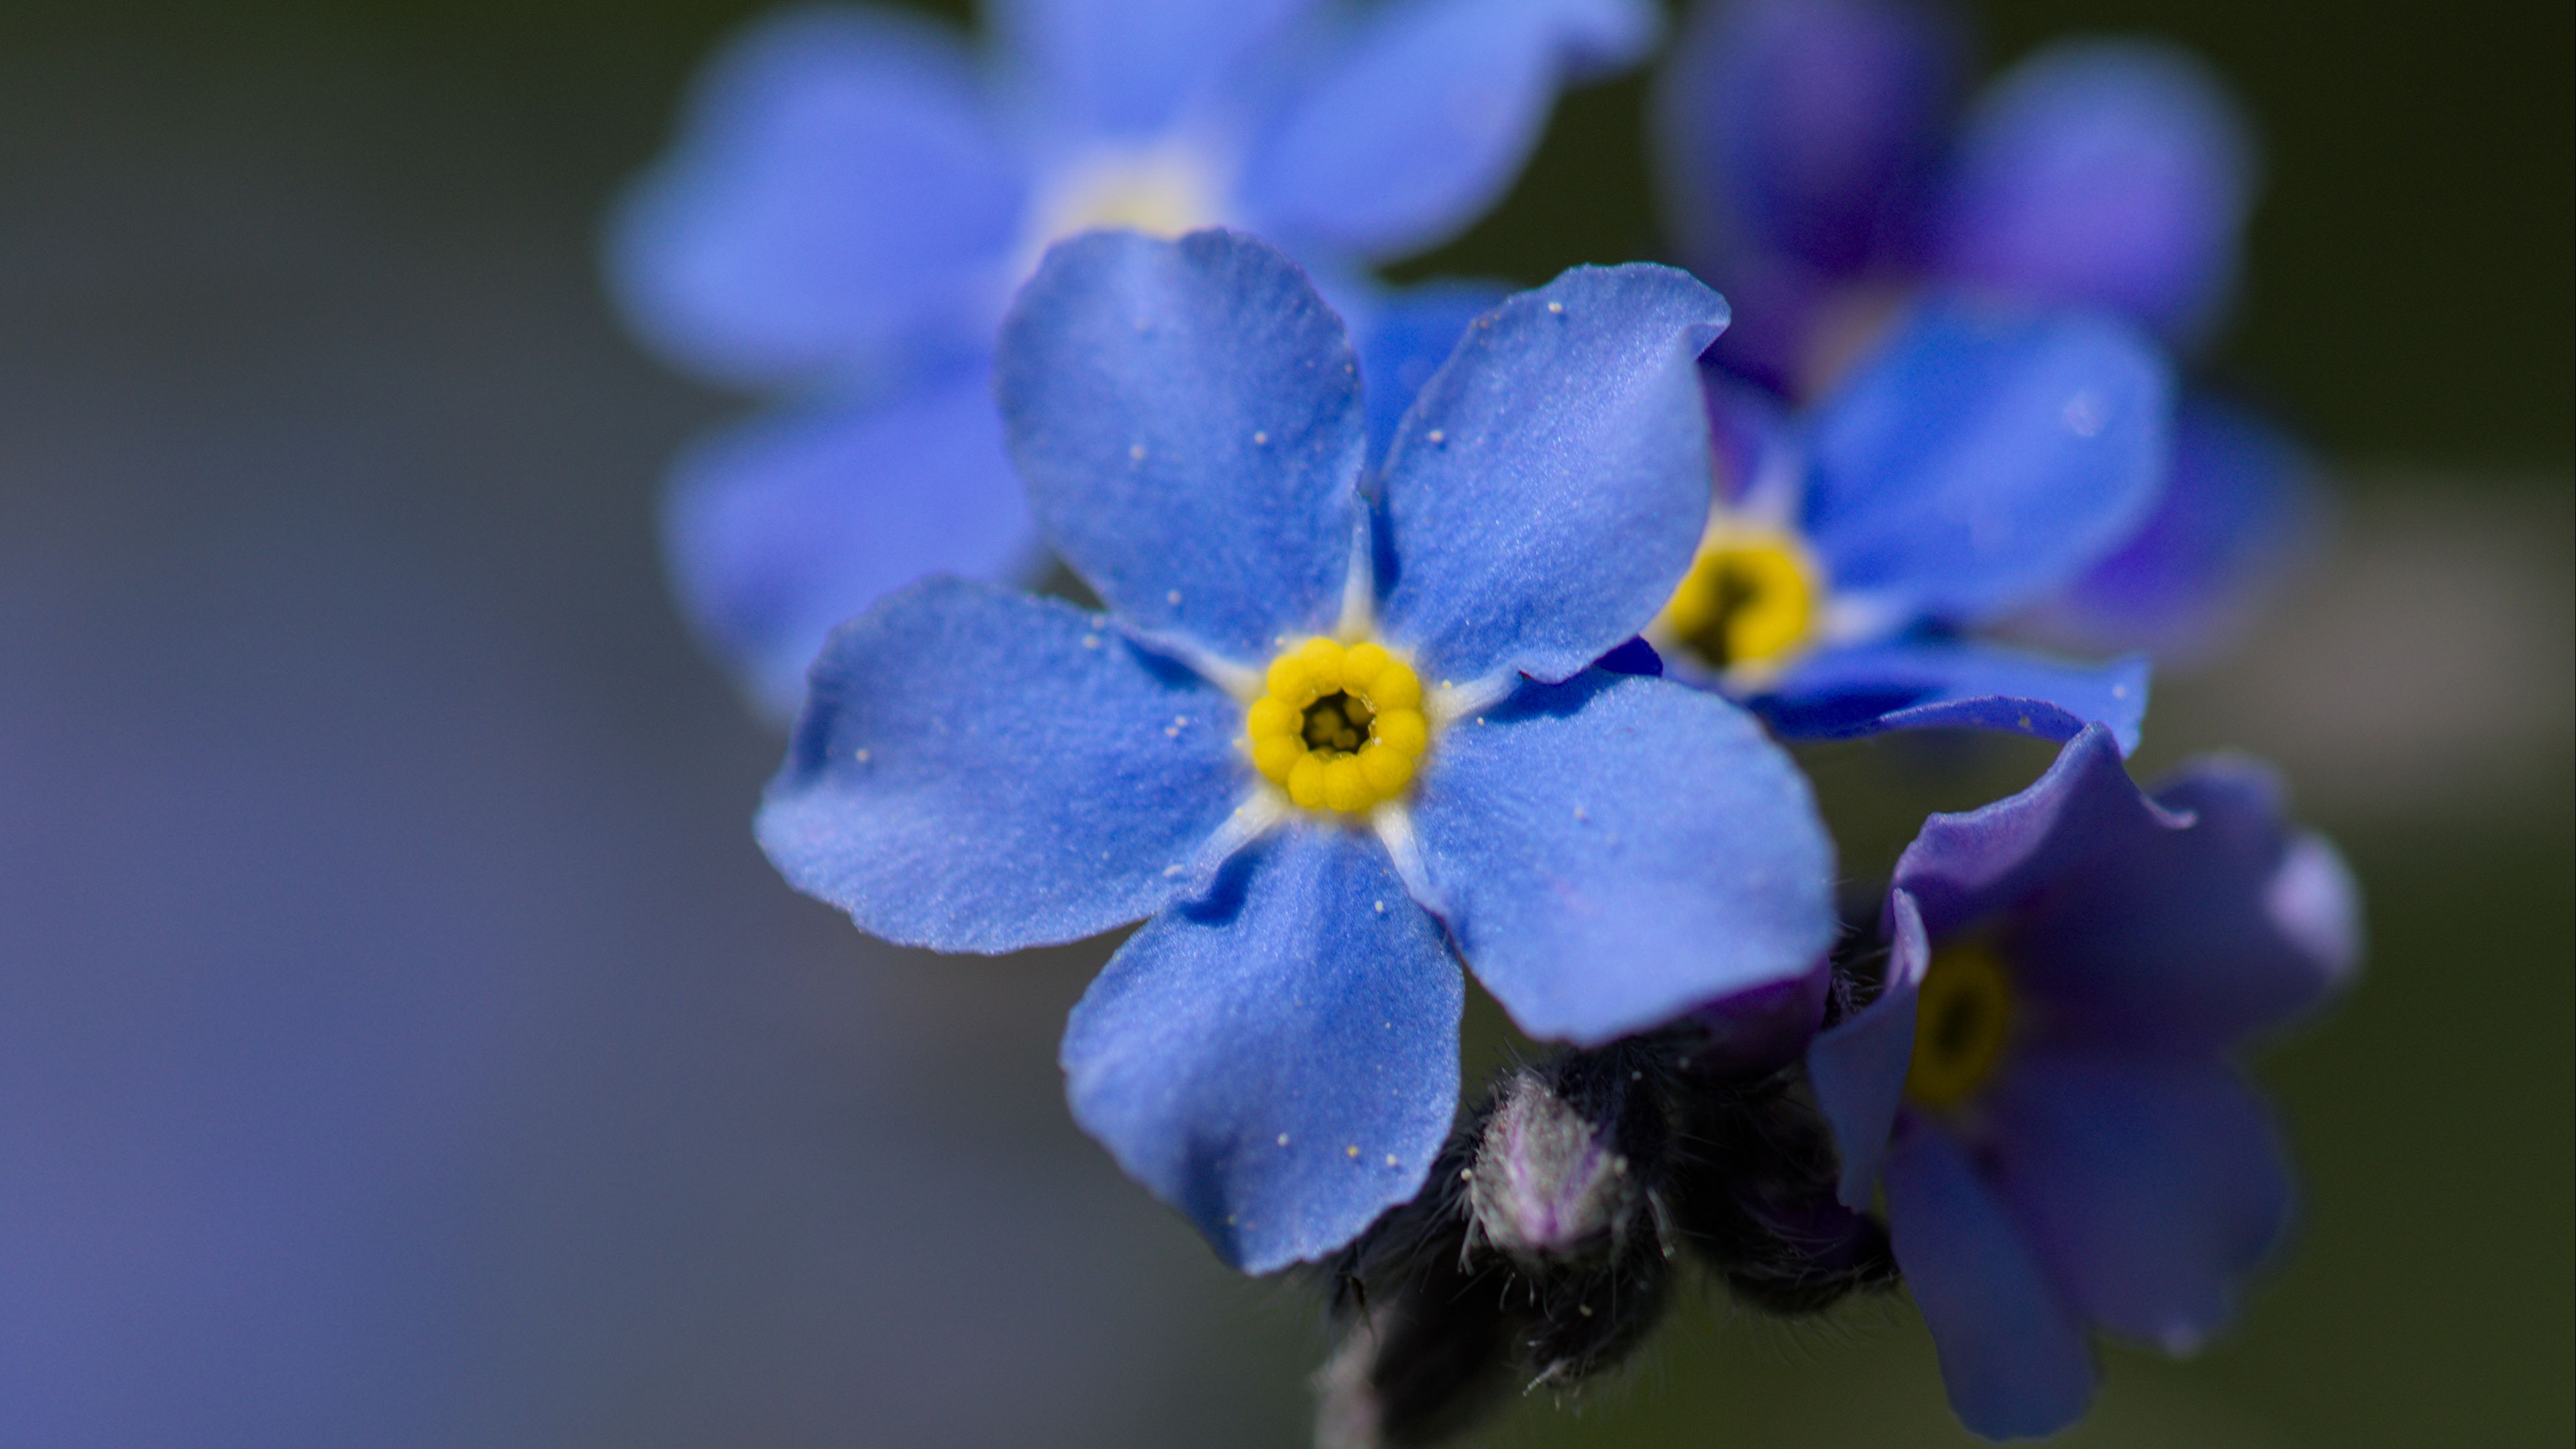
x=1732, y=589
x=1338, y=722
x=1960, y=1026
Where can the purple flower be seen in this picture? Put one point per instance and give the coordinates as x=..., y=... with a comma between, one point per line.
x=855, y=196
x=2044, y=1085
x=1818, y=165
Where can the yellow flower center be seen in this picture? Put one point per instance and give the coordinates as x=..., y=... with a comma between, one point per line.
x=1751, y=599
x=1161, y=191
x=1339, y=727
x=1963, y=1019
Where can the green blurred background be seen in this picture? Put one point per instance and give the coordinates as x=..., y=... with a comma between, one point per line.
x=2408, y=304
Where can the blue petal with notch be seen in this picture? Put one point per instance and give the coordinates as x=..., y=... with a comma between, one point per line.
x=838, y=200
x=1615, y=850
x=1187, y=415
x=1277, y=1059
x=977, y=770
x=1403, y=336
x=1417, y=124
x=1983, y=458
x=1547, y=491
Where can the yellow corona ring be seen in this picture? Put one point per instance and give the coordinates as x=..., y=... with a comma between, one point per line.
x=1963, y=1019
x=1339, y=727
x=1750, y=599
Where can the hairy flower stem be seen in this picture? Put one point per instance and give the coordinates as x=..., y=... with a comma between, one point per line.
x=1544, y=1248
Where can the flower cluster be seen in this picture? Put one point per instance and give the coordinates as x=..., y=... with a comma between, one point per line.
x=855, y=197
x=1817, y=163
x=1424, y=636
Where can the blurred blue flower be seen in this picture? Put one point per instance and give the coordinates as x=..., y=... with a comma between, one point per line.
x=854, y=198
x=1337, y=725
x=1817, y=165
x=1981, y=460
x=2044, y=1085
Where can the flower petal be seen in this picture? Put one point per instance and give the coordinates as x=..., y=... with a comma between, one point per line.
x=837, y=197
x=2151, y=1185
x=1962, y=869
x=1404, y=336
x=782, y=529
x=1188, y=417
x=1611, y=852
x=2193, y=919
x=1544, y=496
x=1950, y=683
x=1127, y=67
x=1758, y=1032
x=1425, y=115
x=2104, y=173
x=2013, y=1354
x=1279, y=1060
x=1802, y=130
x=977, y=770
x=2238, y=506
x=2202, y=919
x=1858, y=1065
x=1982, y=459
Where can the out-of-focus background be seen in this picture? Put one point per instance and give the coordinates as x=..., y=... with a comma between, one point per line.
x=402, y=1042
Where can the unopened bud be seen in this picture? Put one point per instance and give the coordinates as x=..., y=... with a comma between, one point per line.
x=1538, y=1254
x=1569, y=1157
x=1549, y=1183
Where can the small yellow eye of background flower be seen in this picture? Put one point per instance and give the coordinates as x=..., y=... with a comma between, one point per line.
x=1338, y=727
x=1963, y=1019
x=1750, y=598
x=1160, y=191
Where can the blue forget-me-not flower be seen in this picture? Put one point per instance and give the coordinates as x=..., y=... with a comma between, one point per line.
x=2043, y=1086
x=1817, y=166
x=1979, y=461
x=1339, y=728
x=855, y=196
